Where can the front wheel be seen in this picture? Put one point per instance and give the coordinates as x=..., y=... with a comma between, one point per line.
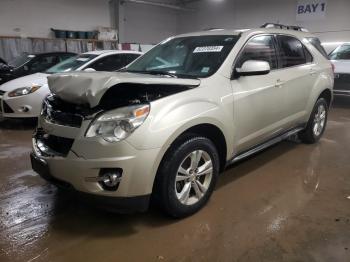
x=187, y=176
x=316, y=124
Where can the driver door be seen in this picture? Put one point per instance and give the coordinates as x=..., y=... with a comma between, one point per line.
x=259, y=100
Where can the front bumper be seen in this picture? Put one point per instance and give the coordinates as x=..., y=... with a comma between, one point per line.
x=80, y=166
x=27, y=106
x=116, y=204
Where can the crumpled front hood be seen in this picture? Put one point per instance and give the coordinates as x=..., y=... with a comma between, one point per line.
x=89, y=87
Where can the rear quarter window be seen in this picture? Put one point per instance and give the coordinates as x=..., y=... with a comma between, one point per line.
x=317, y=44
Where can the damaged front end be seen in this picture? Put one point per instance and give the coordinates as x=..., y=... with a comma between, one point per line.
x=106, y=90
x=115, y=109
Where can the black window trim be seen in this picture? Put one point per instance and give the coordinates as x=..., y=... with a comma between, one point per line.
x=324, y=52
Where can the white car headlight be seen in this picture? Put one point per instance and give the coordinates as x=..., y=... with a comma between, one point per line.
x=118, y=124
x=23, y=91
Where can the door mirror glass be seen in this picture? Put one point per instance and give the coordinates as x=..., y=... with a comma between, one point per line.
x=253, y=67
x=89, y=69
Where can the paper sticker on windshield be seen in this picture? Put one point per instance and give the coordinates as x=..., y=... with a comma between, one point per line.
x=205, y=69
x=82, y=59
x=208, y=49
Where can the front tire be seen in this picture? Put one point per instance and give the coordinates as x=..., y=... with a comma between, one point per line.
x=187, y=176
x=316, y=124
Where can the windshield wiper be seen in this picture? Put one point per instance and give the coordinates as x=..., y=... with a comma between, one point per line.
x=158, y=72
x=152, y=72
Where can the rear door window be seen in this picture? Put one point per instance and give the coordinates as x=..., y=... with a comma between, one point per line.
x=308, y=55
x=259, y=48
x=291, y=51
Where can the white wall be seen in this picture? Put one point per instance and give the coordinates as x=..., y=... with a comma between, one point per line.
x=34, y=18
x=252, y=13
x=139, y=23
x=150, y=24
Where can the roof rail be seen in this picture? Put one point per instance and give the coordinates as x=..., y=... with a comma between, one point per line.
x=213, y=29
x=285, y=27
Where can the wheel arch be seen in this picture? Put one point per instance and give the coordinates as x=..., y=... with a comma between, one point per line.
x=327, y=95
x=214, y=134
x=208, y=130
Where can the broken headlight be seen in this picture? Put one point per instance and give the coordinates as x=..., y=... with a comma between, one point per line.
x=118, y=124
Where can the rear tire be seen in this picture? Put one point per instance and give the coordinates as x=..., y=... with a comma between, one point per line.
x=316, y=124
x=187, y=176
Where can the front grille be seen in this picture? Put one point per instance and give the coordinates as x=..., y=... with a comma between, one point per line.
x=62, y=113
x=2, y=93
x=50, y=145
x=342, y=82
x=0, y=105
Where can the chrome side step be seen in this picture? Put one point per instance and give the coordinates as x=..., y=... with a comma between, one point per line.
x=263, y=146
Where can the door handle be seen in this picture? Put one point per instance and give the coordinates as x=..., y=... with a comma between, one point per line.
x=279, y=83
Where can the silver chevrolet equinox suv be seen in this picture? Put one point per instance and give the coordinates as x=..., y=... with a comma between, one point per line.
x=164, y=127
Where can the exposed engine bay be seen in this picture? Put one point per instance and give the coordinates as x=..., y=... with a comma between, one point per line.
x=130, y=94
x=67, y=113
x=108, y=90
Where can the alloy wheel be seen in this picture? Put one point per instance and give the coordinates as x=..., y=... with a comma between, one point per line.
x=319, y=120
x=193, y=177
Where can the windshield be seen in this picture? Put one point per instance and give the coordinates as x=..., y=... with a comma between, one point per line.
x=71, y=64
x=341, y=53
x=21, y=60
x=195, y=56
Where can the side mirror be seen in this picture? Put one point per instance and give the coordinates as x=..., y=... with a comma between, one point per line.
x=89, y=69
x=5, y=68
x=253, y=67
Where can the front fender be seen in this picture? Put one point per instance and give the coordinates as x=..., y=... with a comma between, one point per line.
x=170, y=117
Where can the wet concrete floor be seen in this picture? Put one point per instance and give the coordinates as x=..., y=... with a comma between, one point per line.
x=288, y=203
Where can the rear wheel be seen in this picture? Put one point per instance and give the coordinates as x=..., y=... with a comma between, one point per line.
x=316, y=124
x=187, y=176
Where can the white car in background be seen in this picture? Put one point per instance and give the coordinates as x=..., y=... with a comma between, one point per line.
x=23, y=97
x=340, y=58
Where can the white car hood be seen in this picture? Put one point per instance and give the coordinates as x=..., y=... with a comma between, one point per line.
x=89, y=87
x=341, y=66
x=25, y=81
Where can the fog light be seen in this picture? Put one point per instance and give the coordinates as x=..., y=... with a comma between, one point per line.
x=109, y=179
x=24, y=109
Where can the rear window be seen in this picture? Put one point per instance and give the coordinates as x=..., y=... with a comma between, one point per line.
x=317, y=44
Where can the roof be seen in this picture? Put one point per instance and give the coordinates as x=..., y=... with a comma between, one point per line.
x=247, y=31
x=101, y=52
x=48, y=53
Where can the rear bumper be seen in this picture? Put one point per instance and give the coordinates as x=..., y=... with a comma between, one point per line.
x=115, y=204
x=341, y=92
x=341, y=84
